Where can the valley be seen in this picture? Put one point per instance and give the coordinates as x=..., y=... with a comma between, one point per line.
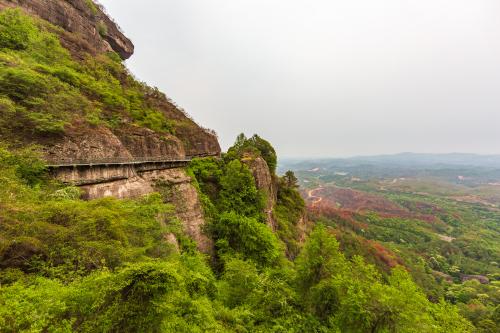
x=442, y=226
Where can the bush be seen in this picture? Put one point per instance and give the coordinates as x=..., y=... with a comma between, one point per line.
x=247, y=237
x=16, y=30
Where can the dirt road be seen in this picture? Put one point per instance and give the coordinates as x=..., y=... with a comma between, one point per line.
x=315, y=199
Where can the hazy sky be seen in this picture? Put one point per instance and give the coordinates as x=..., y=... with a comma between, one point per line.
x=329, y=77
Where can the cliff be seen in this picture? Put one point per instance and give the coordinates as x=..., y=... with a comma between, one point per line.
x=266, y=183
x=89, y=29
x=64, y=90
x=79, y=102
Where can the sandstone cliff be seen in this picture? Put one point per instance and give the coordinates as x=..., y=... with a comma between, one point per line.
x=84, y=29
x=265, y=182
x=92, y=31
x=268, y=183
x=122, y=132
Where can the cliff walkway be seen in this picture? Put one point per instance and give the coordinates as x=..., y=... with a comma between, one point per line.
x=88, y=172
x=123, y=161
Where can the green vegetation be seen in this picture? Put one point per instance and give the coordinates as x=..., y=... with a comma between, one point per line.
x=69, y=265
x=445, y=234
x=288, y=213
x=42, y=88
x=92, y=6
x=255, y=146
x=108, y=265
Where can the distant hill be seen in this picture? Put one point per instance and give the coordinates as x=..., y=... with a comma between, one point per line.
x=405, y=159
x=467, y=169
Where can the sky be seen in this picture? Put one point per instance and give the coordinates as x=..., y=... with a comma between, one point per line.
x=326, y=78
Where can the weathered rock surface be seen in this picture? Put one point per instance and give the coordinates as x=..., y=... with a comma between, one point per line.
x=125, y=182
x=184, y=196
x=265, y=183
x=132, y=187
x=142, y=142
x=84, y=20
x=82, y=142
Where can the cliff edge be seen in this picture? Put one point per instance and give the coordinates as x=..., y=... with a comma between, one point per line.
x=76, y=99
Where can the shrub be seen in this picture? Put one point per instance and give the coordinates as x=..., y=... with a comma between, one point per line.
x=238, y=191
x=247, y=237
x=102, y=28
x=16, y=30
x=44, y=89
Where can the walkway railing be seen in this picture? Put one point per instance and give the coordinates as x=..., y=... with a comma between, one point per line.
x=62, y=162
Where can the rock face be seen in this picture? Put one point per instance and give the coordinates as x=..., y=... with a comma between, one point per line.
x=84, y=19
x=82, y=142
x=86, y=29
x=186, y=201
x=265, y=183
x=126, y=182
x=130, y=187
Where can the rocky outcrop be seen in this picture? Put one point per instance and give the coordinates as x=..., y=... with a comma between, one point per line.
x=87, y=29
x=103, y=158
x=130, y=187
x=265, y=183
x=82, y=142
x=142, y=142
x=95, y=32
x=126, y=182
x=184, y=197
x=196, y=140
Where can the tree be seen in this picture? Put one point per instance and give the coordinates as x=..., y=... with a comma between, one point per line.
x=238, y=191
x=319, y=259
x=266, y=151
x=247, y=237
x=290, y=180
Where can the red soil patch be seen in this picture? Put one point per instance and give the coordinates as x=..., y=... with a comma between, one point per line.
x=342, y=200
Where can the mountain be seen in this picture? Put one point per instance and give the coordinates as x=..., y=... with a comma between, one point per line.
x=407, y=160
x=118, y=213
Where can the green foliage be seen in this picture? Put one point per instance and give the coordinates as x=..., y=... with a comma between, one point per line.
x=16, y=31
x=92, y=6
x=288, y=212
x=247, y=237
x=351, y=295
x=44, y=89
x=208, y=172
x=238, y=191
x=26, y=163
x=254, y=146
x=145, y=297
x=289, y=180
x=319, y=259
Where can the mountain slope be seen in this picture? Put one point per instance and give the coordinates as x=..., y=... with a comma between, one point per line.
x=220, y=245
